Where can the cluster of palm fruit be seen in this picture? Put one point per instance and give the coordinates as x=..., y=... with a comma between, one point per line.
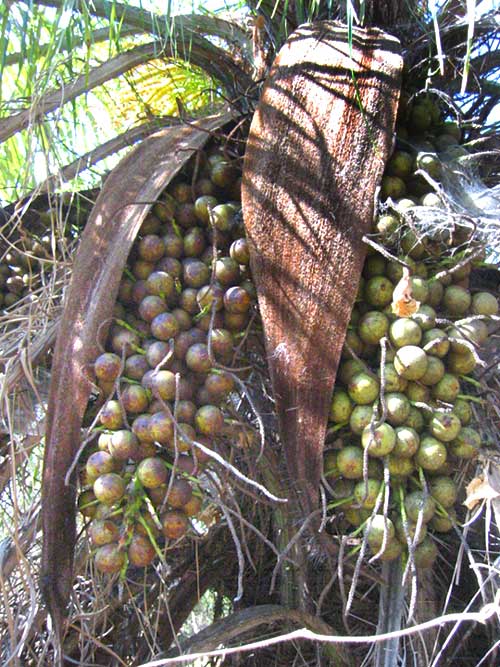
x=184, y=302
x=32, y=250
x=400, y=410
x=19, y=269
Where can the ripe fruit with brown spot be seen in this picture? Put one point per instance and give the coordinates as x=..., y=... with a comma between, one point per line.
x=174, y=524
x=152, y=472
x=140, y=551
x=109, y=558
x=109, y=488
x=107, y=367
x=379, y=440
x=103, y=531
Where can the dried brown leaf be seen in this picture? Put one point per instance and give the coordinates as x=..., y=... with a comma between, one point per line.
x=315, y=154
x=480, y=489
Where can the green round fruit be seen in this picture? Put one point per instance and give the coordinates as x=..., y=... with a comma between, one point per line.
x=445, y=143
x=417, y=392
x=330, y=467
x=436, y=291
x=420, y=119
x=239, y=251
x=360, y=417
x=350, y=462
x=463, y=411
x=202, y=207
x=387, y=226
x=461, y=363
x=394, y=270
x=341, y=407
x=393, y=187
x=348, y=369
x=443, y=524
x=393, y=382
x=411, y=531
x=378, y=291
x=373, y=326
x=374, y=266
x=484, y=303
x=425, y=317
x=456, y=300
x=412, y=246
x=444, y=490
x=354, y=342
x=430, y=163
x=451, y=128
x=397, y=407
x=405, y=331
x=223, y=173
x=417, y=503
x=465, y=334
x=407, y=442
x=399, y=468
x=87, y=504
x=445, y=426
x=415, y=419
x=435, y=342
x=400, y=164
x=378, y=529
x=379, y=441
x=431, y=454
x=435, y=371
x=356, y=517
x=425, y=553
x=342, y=488
x=365, y=494
x=467, y=443
x=392, y=550
x=410, y=362
x=363, y=388
x=447, y=389
x=432, y=199
x=419, y=289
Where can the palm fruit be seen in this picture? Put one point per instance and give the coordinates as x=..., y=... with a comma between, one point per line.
x=378, y=530
x=414, y=415
x=183, y=306
x=110, y=558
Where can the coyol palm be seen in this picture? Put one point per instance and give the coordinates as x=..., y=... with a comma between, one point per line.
x=109, y=52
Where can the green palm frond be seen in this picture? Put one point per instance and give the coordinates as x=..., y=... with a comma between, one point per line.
x=57, y=75
x=155, y=88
